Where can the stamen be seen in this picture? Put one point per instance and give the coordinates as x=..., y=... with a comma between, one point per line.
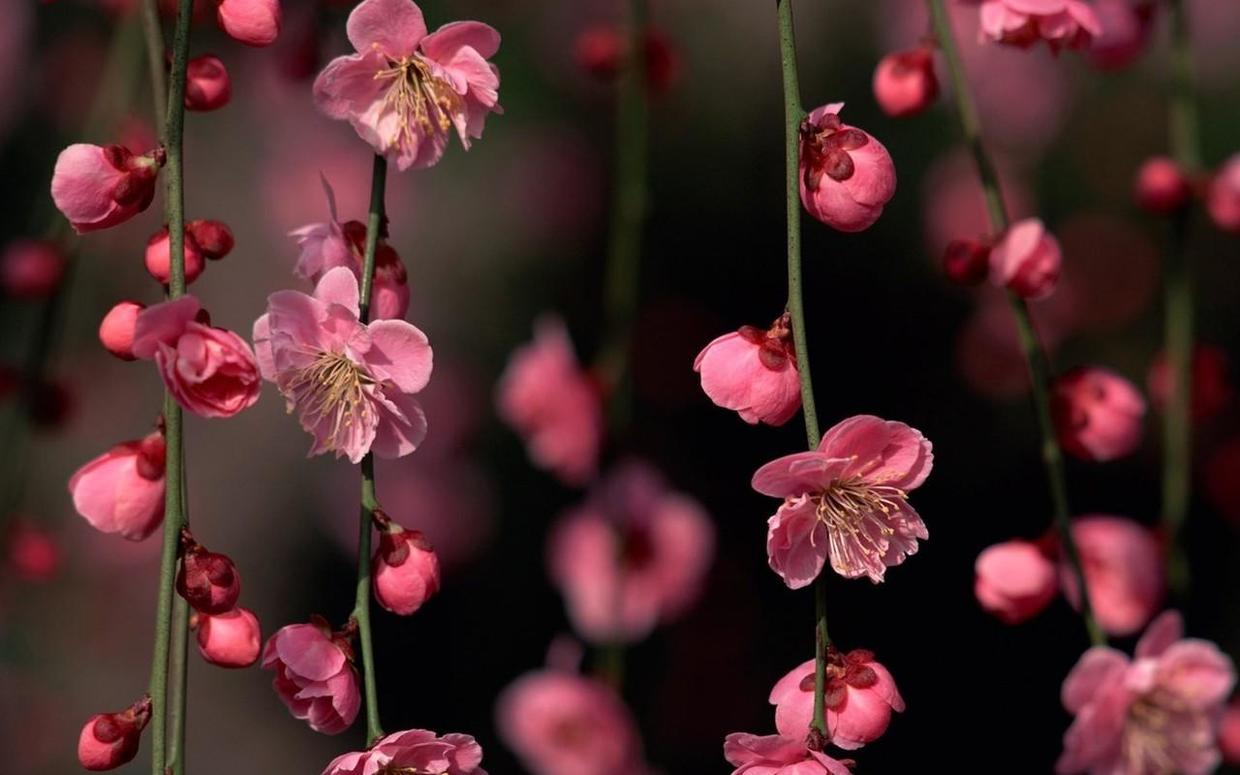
x=331, y=387
x=423, y=103
x=846, y=507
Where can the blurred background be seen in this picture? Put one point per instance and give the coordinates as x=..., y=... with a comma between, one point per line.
x=518, y=226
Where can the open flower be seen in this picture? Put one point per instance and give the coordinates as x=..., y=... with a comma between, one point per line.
x=858, y=702
x=1061, y=23
x=404, y=91
x=315, y=676
x=777, y=755
x=846, y=175
x=351, y=384
x=1154, y=714
x=413, y=751
x=847, y=501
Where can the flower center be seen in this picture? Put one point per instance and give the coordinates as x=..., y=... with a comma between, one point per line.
x=1163, y=732
x=424, y=104
x=855, y=513
x=331, y=388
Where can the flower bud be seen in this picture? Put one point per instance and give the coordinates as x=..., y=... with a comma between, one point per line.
x=122, y=490
x=207, y=86
x=1162, y=187
x=405, y=570
x=1097, y=413
x=252, y=22
x=753, y=372
x=904, y=82
x=213, y=238
x=158, y=253
x=1014, y=581
x=116, y=329
x=31, y=269
x=109, y=740
x=231, y=639
x=966, y=262
x=1223, y=196
x=1027, y=260
x=846, y=176
x=859, y=699
x=96, y=187
x=208, y=581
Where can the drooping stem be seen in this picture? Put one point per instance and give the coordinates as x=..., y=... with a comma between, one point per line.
x=375, y=226
x=1178, y=308
x=793, y=115
x=165, y=717
x=1035, y=353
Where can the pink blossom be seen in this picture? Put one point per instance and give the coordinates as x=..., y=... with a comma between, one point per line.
x=352, y=384
x=1223, y=196
x=315, y=677
x=859, y=699
x=31, y=269
x=1124, y=570
x=405, y=570
x=33, y=553
x=847, y=501
x=122, y=490
x=753, y=372
x=1126, y=27
x=546, y=397
x=252, y=22
x=412, y=751
x=1161, y=187
x=1027, y=260
x=97, y=187
x=117, y=327
x=905, y=83
x=230, y=639
x=1156, y=713
x=564, y=724
x=109, y=740
x=207, y=86
x=1098, y=414
x=210, y=371
x=1015, y=581
x=778, y=755
x=1210, y=378
x=1061, y=23
x=404, y=90
x=1229, y=733
x=328, y=245
x=158, y=257
x=634, y=555
x=846, y=175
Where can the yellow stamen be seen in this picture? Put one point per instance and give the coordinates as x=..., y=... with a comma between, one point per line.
x=423, y=103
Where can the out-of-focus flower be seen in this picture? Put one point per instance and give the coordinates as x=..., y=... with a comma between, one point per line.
x=109, y=740
x=252, y=22
x=546, y=397
x=207, y=86
x=96, y=187
x=404, y=90
x=413, y=750
x=565, y=724
x=1126, y=27
x=905, y=83
x=213, y=238
x=351, y=384
x=1222, y=478
x=1211, y=384
x=635, y=554
x=405, y=569
x=117, y=327
x=208, y=581
x=1229, y=733
x=1154, y=713
x=31, y=269
x=778, y=755
x=954, y=204
x=966, y=261
x=847, y=501
x=1098, y=414
x=859, y=699
x=1161, y=187
x=315, y=677
x=1124, y=570
x=230, y=639
x=753, y=372
x=1061, y=23
x=1015, y=580
x=122, y=490
x=158, y=257
x=1223, y=196
x=210, y=371
x=33, y=553
x=602, y=50
x=1027, y=260
x=847, y=176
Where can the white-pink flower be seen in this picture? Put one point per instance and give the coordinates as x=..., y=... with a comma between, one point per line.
x=404, y=91
x=352, y=384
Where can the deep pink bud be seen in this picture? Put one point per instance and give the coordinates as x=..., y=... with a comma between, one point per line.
x=859, y=699
x=1014, y=581
x=846, y=176
x=116, y=329
x=109, y=740
x=1161, y=187
x=208, y=581
x=1098, y=414
x=753, y=372
x=1027, y=260
x=158, y=252
x=1223, y=196
x=213, y=238
x=207, y=86
x=252, y=22
x=230, y=639
x=100, y=186
x=904, y=82
x=966, y=262
x=31, y=269
x=1211, y=382
x=32, y=553
x=405, y=570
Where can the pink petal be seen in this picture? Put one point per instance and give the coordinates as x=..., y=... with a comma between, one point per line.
x=1096, y=669
x=401, y=431
x=347, y=87
x=83, y=183
x=339, y=285
x=395, y=27
x=442, y=44
x=1197, y=672
x=797, y=474
x=162, y=324
x=796, y=543
x=399, y=352
x=1160, y=634
x=308, y=653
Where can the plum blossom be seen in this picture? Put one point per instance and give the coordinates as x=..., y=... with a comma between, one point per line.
x=904, y=82
x=847, y=176
x=859, y=699
x=231, y=639
x=315, y=676
x=1015, y=580
x=778, y=755
x=1124, y=571
x=1027, y=260
x=847, y=501
x=404, y=91
x=109, y=740
x=1098, y=414
x=96, y=187
x=413, y=751
x=753, y=372
x=122, y=490
x=1061, y=23
x=352, y=384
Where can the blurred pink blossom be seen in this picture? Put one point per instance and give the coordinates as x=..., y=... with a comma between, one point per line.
x=32, y=553
x=1098, y=414
x=1015, y=580
x=1223, y=196
x=1027, y=260
x=904, y=82
x=31, y=269
x=1022, y=23
x=1125, y=35
x=1124, y=570
x=1210, y=378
